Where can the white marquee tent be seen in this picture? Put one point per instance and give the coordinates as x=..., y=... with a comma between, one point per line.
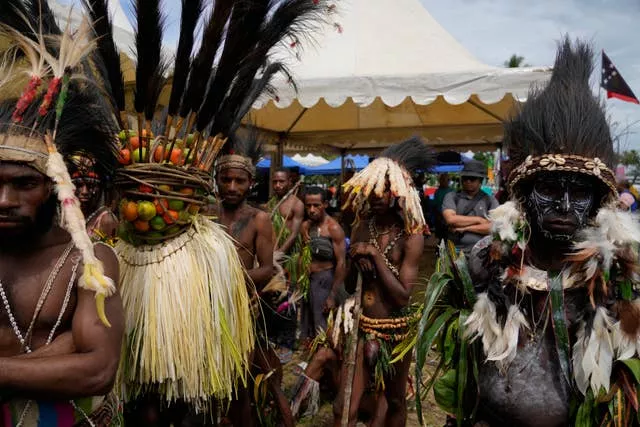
x=386, y=70
x=379, y=72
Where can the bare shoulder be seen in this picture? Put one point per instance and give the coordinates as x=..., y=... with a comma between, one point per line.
x=414, y=243
x=335, y=229
x=107, y=223
x=109, y=259
x=260, y=216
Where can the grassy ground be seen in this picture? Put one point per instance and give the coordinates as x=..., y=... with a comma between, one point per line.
x=432, y=414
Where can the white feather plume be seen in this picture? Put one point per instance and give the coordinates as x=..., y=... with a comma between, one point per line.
x=504, y=221
x=623, y=347
x=499, y=344
x=619, y=227
x=510, y=335
x=593, y=355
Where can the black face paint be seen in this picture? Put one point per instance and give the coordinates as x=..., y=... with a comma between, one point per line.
x=560, y=203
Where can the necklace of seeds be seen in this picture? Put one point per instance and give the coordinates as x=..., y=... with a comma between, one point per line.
x=43, y=296
x=374, y=235
x=92, y=216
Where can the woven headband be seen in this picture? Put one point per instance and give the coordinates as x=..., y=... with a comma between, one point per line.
x=563, y=163
x=236, y=161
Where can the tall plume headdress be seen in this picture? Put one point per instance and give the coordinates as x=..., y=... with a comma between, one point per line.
x=562, y=127
x=168, y=251
x=393, y=170
x=211, y=92
x=56, y=116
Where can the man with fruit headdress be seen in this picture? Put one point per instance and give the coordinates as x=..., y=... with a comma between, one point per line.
x=541, y=325
x=61, y=323
x=189, y=329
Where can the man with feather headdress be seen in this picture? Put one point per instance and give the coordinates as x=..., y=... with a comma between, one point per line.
x=386, y=246
x=59, y=362
x=541, y=325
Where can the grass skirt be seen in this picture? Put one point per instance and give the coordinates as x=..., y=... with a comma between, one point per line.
x=189, y=328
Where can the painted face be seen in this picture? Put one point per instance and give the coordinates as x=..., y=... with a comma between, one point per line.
x=87, y=192
x=281, y=183
x=26, y=202
x=560, y=203
x=315, y=206
x=87, y=182
x=233, y=185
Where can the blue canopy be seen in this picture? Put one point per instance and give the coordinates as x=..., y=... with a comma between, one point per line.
x=287, y=162
x=444, y=168
x=335, y=166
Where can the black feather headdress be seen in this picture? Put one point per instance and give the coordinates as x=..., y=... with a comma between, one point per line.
x=413, y=155
x=243, y=151
x=108, y=58
x=393, y=170
x=212, y=92
x=562, y=126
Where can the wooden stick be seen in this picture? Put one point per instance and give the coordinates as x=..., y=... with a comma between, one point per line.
x=351, y=356
x=140, y=140
x=124, y=119
x=291, y=192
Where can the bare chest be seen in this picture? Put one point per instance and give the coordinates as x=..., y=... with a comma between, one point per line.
x=37, y=300
x=244, y=232
x=374, y=299
x=286, y=209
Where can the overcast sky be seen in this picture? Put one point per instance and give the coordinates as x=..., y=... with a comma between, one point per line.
x=493, y=30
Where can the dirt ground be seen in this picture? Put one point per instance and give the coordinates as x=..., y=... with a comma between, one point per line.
x=433, y=416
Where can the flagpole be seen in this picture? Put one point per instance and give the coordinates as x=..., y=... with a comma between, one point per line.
x=601, y=68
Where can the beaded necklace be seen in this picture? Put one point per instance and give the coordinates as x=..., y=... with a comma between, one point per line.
x=41, y=300
x=373, y=239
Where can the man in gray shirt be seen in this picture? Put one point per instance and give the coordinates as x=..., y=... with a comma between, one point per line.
x=465, y=211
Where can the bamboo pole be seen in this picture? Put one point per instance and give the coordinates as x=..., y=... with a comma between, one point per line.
x=292, y=192
x=351, y=356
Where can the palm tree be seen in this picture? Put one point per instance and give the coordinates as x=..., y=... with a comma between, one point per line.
x=515, y=61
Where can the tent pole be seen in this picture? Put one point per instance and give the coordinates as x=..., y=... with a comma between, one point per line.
x=296, y=120
x=485, y=110
x=280, y=148
x=343, y=161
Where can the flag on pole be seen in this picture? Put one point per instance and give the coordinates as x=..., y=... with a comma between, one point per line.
x=613, y=82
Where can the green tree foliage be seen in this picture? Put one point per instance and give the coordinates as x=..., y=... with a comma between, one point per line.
x=486, y=158
x=515, y=61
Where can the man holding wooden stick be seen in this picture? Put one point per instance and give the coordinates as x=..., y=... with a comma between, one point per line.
x=387, y=243
x=287, y=213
